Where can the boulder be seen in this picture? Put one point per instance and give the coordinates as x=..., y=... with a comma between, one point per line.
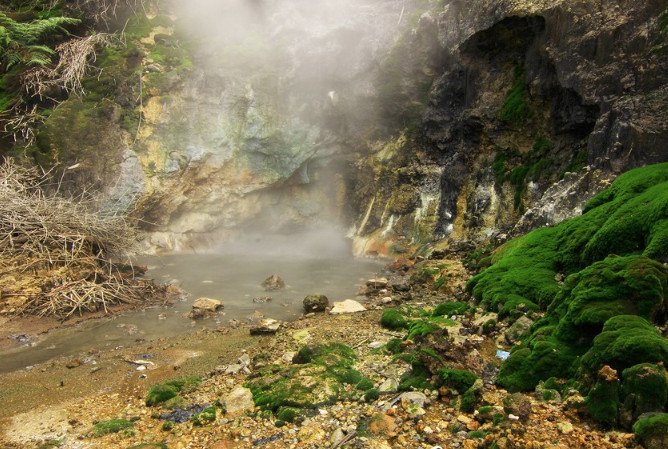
x=347, y=306
x=267, y=326
x=315, y=303
x=239, y=401
x=273, y=282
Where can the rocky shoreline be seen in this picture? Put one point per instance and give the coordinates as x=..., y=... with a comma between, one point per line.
x=101, y=402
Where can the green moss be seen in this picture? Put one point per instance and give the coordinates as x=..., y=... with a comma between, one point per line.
x=631, y=285
x=478, y=434
x=287, y=414
x=206, y=416
x=460, y=380
x=166, y=391
x=515, y=109
x=603, y=402
x=421, y=328
x=644, y=389
x=626, y=340
x=629, y=219
x=394, y=346
x=319, y=379
x=393, y=319
x=450, y=308
x=527, y=366
x=371, y=395
x=112, y=426
x=415, y=379
x=655, y=426
x=469, y=400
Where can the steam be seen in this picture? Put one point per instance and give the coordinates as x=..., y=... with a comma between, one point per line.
x=305, y=68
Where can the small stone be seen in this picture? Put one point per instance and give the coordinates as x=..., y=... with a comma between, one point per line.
x=390, y=385
x=208, y=304
x=74, y=363
x=376, y=344
x=347, y=306
x=267, y=326
x=273, y=282
x=565, y=427
x=386, y=300
x=336, y=437
x=315, y=303
x=513, y=417
x=414, y=397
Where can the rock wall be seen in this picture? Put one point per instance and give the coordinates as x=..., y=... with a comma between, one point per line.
x=406, y=122
x=523, y=94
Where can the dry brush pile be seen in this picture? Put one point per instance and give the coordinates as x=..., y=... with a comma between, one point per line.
x=59, y=256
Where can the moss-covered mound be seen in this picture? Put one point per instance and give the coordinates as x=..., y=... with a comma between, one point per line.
x=605, y=312
x=170, y=391
x=320, y=375
x=630, y=217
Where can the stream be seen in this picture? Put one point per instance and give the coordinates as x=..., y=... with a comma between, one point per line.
x=309, y=263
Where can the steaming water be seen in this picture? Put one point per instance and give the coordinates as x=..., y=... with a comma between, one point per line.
x=316, y=263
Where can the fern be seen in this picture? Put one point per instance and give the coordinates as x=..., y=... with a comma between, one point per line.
x=24, y=42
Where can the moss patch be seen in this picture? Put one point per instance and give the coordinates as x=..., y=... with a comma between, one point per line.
x=167, y=391
x=111, y=426
x=324, y=374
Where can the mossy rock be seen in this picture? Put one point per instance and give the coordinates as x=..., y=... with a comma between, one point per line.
x=527, y=366
x=161, y=393
x=319, y=378
x=416, y=379
x=457, y=379
x=625, y=340
x=111, y=426
x=652, y=431
x=450, y=308
x=630, y=285
x=603, y=402
x=644, y=390
x=206, y=416
x=627, y=218
x=393, y=319
x=287, y=414
x=421, y=328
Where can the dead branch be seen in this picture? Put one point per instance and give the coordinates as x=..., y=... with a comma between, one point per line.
x=75, y=57
x=57, y=254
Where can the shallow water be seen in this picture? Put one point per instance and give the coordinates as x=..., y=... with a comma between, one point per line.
x=233, y=274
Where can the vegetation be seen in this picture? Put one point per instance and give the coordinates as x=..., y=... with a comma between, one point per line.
x=393, y=319
x=164, y=392
x=603, y=313
x=112, y=426
x=515, y=109
x=320, y=374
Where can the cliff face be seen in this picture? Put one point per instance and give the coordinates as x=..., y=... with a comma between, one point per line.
x=524, y=94
x=410, y=121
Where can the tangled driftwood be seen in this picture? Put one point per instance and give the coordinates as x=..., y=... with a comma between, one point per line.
x=57, y=254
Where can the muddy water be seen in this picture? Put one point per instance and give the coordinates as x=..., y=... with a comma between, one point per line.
x=233, y=274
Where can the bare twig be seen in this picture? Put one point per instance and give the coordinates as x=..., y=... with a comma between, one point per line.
x=57, y=253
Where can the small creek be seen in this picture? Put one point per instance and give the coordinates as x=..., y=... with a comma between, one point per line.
x=309, y=264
